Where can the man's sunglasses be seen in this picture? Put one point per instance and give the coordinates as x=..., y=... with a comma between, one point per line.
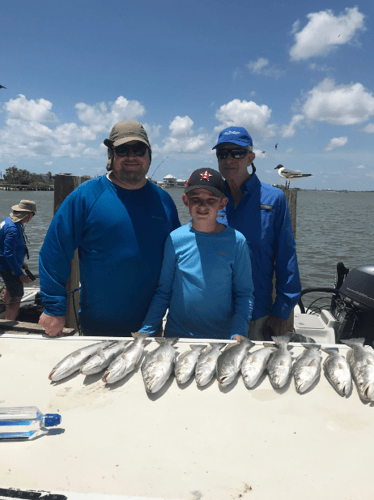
x=222, y=154
x=125, y=150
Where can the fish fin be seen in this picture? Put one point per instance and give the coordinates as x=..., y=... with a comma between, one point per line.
x=100, y=353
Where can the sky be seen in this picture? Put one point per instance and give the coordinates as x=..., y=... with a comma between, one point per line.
x=299, y=76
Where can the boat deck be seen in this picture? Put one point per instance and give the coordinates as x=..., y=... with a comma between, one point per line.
x=182, y=443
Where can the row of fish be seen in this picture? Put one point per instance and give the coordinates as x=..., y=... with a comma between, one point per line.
x=119, y=358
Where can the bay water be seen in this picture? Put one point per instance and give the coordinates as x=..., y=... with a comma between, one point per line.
x=331, y=227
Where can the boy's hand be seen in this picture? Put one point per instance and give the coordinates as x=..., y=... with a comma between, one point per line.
x=237, y=338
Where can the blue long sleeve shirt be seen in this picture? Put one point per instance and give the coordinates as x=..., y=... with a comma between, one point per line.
x=262, y=215
x=12, y=247
x=206, y=282
x=120, y=236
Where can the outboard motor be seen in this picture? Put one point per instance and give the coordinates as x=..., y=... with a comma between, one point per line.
x=353, y=304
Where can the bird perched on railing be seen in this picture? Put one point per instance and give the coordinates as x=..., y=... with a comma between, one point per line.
x=289, y=175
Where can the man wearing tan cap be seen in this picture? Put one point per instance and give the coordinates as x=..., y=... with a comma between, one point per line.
x=12, y=255
x=119, y=223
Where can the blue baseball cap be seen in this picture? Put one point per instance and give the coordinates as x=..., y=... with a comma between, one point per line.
x=236, y=135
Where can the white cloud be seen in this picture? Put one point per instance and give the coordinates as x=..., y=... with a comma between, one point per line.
x=102, y=117
x=48, y=163
x=246, y=114
x=369, y=129
x=289, y=130
x=261, y=67
x=25, y=120
x=336, y=142
x=339, y=104
x=22, y=109
x=361, y=167
x=325, y=32
x=182, y=138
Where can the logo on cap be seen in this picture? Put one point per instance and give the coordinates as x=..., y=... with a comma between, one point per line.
x=205, y=175
x=231, y=132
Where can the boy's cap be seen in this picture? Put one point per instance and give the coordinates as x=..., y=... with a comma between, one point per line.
x=206, y=178
x=123, y=132
x=236, y=135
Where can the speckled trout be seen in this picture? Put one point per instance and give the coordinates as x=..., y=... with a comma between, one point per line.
x=103, y=358
x=231, y=359
x=361, y=361
x=254, y=364
x=337, y=371
x=206, y=364
x=74, y=361
x=280, y=362
x=186, y=363
x=127, y=361
x=307, y=367
x=158, y=364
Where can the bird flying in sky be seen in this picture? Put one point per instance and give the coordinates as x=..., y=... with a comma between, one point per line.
x=2, y=87
x=289, y=175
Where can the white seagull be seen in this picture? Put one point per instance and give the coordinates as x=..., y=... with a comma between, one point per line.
x=289, y=175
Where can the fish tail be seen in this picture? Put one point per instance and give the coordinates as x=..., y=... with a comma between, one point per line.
x=312, y=346
x=140, y=335
x=330, y=350
x=281, y=339
x=352, y=342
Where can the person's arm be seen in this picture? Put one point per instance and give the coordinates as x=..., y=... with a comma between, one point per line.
x=242, y=289
x=162, y=296
x=288, y=286
x=63, y=237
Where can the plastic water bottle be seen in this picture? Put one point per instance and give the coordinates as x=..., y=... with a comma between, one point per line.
x=25, y=422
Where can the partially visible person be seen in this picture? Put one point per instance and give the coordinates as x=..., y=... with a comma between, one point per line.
x=119, y=223
x=206, y=278
x=12, y=255
x=261, y=213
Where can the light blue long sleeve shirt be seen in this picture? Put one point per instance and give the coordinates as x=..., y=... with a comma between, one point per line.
x=206, y=283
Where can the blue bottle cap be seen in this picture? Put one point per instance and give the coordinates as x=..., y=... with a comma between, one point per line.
x=52, y=419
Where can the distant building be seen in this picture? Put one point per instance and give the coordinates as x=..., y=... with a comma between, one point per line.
x=170, y=180
x=181, y=182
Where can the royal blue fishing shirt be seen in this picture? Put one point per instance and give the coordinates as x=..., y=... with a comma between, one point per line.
x=120, y=236
x=12, y=247
x=262, y=215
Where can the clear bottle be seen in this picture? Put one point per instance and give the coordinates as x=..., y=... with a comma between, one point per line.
x=25, y=422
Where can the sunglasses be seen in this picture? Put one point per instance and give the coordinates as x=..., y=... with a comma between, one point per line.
x=125, y=150
x=222, y=154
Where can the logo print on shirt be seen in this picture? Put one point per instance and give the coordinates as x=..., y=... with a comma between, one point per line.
x=205, y=175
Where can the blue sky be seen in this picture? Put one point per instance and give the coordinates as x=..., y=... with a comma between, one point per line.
x=295, y=74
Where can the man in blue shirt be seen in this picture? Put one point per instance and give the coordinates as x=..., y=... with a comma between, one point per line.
x=206, y=277
x=12, y=255
x=119, y=223
x=261, y=213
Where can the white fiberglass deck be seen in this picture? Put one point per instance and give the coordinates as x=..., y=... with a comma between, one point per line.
x=182, y=443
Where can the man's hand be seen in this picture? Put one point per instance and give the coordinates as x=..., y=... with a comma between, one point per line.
x=24, y=278
x=52, y=325
x=278, y=325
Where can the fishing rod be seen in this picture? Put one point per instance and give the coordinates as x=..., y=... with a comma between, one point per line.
x=158, y=166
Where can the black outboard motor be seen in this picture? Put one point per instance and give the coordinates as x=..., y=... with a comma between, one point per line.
x=353, y=304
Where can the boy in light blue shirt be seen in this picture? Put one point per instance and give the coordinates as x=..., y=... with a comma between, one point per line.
x=206, y=278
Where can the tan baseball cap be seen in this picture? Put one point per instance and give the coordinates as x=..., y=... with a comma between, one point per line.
x=123, y=132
